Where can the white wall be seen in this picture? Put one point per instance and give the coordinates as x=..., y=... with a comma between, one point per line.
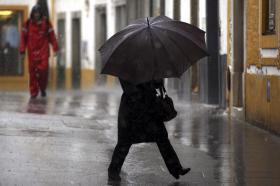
x=186, y=11
x=29, y=3
x=223, y=26
x=202, y=14
x=111, y=13
x=68, y=7
x=169, y=8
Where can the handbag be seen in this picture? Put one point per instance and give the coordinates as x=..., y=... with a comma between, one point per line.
x=164, y=105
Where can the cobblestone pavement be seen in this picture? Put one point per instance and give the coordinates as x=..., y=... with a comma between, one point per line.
x=68, y=139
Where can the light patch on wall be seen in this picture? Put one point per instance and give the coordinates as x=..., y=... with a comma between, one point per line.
x=269, y=53
x=202, y=14
x=264, y=70
x=223, y=26
x=186, y=11
x=6, y=13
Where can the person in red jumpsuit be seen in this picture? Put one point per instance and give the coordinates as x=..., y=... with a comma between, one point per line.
x=37, y=33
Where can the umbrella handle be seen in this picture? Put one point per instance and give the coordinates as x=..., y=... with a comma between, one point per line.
x=148, y=21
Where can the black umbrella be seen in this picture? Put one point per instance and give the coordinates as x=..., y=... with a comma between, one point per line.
x=153, y=48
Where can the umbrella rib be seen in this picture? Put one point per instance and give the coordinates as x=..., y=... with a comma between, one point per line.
x=180, y=48
x=166, y=50
x=153, y=48
x=159, y=27
x=127, y=39
x=177, y=44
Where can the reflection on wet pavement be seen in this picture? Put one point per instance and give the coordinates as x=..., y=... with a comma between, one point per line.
x=68, y=139
x=75, y=103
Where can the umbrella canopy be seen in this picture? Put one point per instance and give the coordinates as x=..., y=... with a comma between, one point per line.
x=153, y=48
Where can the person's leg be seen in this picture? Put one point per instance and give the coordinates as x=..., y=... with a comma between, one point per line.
x=33, y=80
x=170, y=157
x=43, y=76
x=119, y=155
x=43, y=81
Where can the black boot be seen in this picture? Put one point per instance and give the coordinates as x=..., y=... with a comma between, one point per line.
x=43, y=93
x=114, y=176
x=176, y=176
x=183, y=171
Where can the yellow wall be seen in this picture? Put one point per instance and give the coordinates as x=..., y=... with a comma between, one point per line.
x=229, y=53
x=87, y=80
x=260, y=110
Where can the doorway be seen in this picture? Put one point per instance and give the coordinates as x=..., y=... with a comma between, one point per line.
x=100, y=38
x=61, y=57
x=76, y=51
x=237, y=47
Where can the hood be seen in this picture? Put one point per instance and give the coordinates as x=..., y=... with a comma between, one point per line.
x=36, y=8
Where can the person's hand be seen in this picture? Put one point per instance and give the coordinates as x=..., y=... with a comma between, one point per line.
x=55, y=54
x=22, y=57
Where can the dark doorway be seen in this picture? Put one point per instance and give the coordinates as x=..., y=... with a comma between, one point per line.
x=121, y=17
x=61, y=57
x=100, y=38
x=76, y=52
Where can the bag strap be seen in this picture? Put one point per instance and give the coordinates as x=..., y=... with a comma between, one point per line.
x=162, y=90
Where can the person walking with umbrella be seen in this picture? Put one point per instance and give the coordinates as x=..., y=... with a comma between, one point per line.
x=142, y=55
x=37, y=33
x=137, y=124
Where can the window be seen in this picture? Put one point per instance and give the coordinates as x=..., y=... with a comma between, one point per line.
x=10, y=24
x=268, y=17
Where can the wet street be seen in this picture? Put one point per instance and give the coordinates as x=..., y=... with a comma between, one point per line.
x=68, y=139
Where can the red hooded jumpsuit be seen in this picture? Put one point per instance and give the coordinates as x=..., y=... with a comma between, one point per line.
x=36, y=36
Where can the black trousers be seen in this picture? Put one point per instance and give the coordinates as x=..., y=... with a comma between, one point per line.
x=166, y=150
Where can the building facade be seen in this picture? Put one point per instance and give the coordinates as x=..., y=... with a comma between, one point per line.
x=254, y=58
x=82, y=27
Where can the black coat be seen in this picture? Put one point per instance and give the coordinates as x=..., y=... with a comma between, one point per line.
x=137, y=121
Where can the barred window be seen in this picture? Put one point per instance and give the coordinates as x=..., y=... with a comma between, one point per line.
x=268, y=17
